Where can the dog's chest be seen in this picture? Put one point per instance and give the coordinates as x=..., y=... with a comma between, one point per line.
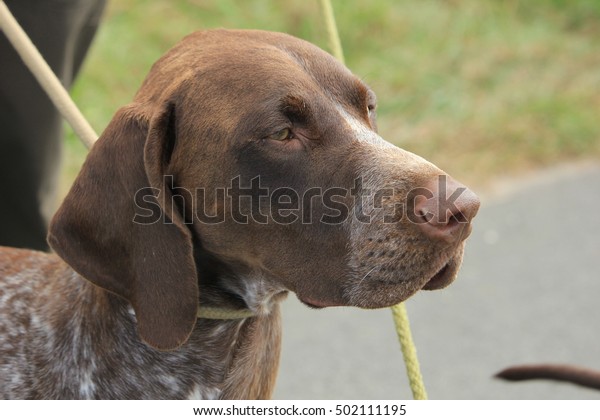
x=64, y=338
x=103, y=361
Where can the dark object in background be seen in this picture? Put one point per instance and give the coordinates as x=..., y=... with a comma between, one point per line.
x=30, y=126
x=564, y=373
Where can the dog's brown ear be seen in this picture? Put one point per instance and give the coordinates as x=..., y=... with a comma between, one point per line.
x=114, y=230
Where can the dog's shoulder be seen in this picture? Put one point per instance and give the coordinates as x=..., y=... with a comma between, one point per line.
x=25, y=273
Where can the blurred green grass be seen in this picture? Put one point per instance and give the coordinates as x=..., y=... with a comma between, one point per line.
x=480, y=87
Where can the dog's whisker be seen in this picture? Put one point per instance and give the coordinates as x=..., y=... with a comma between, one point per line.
x=366, y=275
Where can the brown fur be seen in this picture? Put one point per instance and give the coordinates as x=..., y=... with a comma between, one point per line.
x=563, y=373
x=113, y=315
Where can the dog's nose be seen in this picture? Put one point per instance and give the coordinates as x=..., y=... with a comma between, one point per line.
x=444, y=209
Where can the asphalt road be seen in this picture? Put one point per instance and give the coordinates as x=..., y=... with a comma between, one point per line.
x=529, y=291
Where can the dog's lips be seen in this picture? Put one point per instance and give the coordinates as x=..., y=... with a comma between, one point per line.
x=312, y=304
x=443, y=277
x=383, y=291
x=315, y=304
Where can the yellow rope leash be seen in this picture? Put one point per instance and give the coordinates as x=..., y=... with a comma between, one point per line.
x=332, y=32
x=409, y=352
x=213, y=312
x=399, y=313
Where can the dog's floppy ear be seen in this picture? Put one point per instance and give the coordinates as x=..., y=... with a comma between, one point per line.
x=148, y=261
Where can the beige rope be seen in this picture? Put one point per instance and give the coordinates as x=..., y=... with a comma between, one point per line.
x=45, y=76
x=210, y=312
x=332, y=33
x=409, y=351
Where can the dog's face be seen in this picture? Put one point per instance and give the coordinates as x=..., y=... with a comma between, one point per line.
x=261, y=150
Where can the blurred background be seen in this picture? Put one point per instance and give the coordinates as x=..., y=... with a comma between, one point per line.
x=504, y=96
x=480, y=88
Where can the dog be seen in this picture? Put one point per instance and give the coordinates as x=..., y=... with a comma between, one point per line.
x=247, y=166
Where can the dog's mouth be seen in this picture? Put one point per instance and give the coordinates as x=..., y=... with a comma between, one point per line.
x=312, y=304
x=442, y=278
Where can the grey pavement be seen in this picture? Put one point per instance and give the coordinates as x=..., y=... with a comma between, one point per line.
x=529, y=291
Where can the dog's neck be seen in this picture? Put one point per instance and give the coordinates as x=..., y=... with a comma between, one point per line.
x=240, y=293
x=235, y=287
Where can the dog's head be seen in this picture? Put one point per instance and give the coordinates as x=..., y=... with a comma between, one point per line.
x=249, y=163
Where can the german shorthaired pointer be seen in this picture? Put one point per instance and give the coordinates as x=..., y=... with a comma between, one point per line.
x=247, y=166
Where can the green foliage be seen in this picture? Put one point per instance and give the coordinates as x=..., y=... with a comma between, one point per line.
x=479, y=87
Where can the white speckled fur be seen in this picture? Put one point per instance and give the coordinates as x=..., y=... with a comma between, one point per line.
x=84, y=351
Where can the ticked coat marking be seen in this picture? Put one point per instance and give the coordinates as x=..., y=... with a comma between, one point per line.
x=112, y=314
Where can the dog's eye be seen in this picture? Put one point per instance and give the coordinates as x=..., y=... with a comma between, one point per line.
x=281, y=135
x=371, y=108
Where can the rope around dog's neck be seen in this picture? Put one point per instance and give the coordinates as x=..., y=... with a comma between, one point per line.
x=213, y=312
x=399, y=313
